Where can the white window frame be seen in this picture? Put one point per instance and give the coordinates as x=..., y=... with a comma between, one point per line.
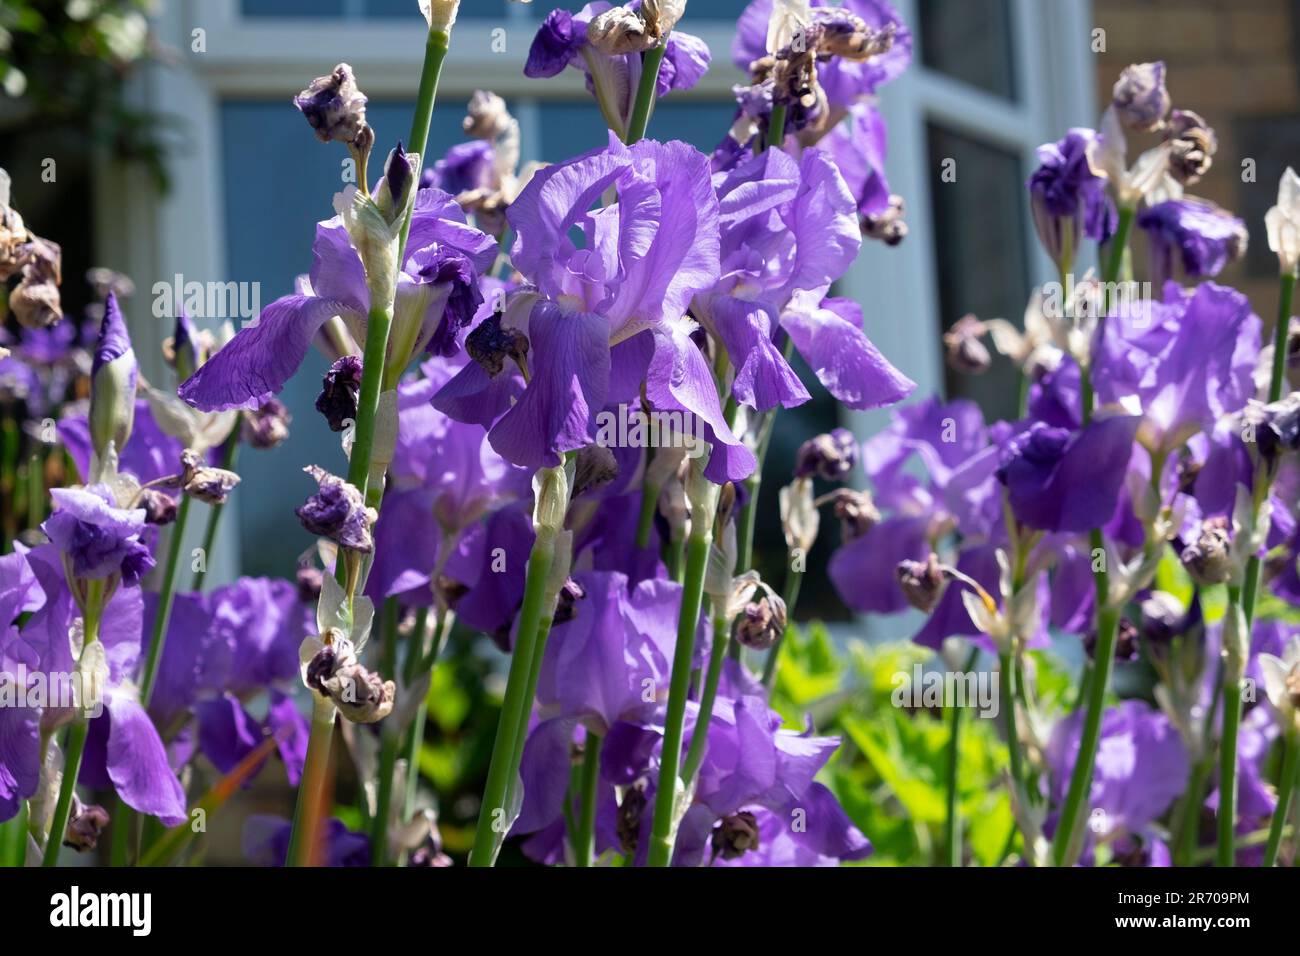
x=151, y=237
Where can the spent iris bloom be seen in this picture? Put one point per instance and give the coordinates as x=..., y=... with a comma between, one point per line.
x=1201, y=237
x=563, y=40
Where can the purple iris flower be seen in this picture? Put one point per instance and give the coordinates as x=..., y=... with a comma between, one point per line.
x=1187, y=362
x=1142, y=767
x=596, y=671
x=1203, y=237
x=858, y=147
x=610, y=313
x=465, y=166
x=123, y=749
x=223, y=648
x=1058, y=480
x=1067, y=194
x=437, y=296
x=445, y=480
x=20, y=765
x=845, y=81
x=561, y=41
x=788, y=230
x=98, y=538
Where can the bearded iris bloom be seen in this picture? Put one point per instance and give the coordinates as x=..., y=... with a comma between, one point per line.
x=613, y=286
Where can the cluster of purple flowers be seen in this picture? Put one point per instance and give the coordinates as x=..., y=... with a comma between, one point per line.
x=485, y=323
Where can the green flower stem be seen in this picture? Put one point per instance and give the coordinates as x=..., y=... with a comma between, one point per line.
x=228, y=456
x=1245, y=599
x=709, y=696
x=646, y=518
x=390, y=744
x=13, y=838
x=313, y=790
x=1285, y=791
x=125, y=824
x=1189, y=815
x=378, y=324
x=415, y=654
x=76, y=745
x=1007, y=705
x=791, y=597
x=1278, y=380
x=534, y=673
x=1064, y=850
x=1231, y=692
x=1227, y=817
x=952, y=816
x=584, y=841
x=645, y=92
x=515, y=707
x=776, y=127
x=1107, y=618
x=435, y=51
x=697, y=560
x=165, y=598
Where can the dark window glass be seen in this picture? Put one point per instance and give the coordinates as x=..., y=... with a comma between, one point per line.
x=970, y=41
x=980, y=251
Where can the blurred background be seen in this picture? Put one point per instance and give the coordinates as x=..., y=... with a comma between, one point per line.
x=158, y=139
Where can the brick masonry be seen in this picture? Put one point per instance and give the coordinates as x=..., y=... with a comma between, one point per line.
x=1235, y=63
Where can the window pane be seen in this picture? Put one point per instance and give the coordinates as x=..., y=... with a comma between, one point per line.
x=980, y=251
x=970, y=41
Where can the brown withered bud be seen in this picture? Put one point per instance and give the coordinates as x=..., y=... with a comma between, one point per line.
x=922, y=582
x=761, y=623
x=964, y=350
x=199, y=480
x=595, y=468
x=486, y=117
x=1209, y=559
x=159, y=507
x=631, y=811
x=617, y=31
x=85, y=826
x=856, y=512
x=334, y=106
x=888, y=225
x=1192, y=146
x=735, y=835
x=847, y=35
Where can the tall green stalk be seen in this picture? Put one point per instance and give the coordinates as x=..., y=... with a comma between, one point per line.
x=952, y=816
x=228, y=456
x=512, y=725
x=708, y=697
x=92, y=614
x=165, y=599
x=645, y=92
x=697, y=560
x=390, y=742
x=584, y=841
x=1063, y=849
x=1285, y=790
x=378, y=324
